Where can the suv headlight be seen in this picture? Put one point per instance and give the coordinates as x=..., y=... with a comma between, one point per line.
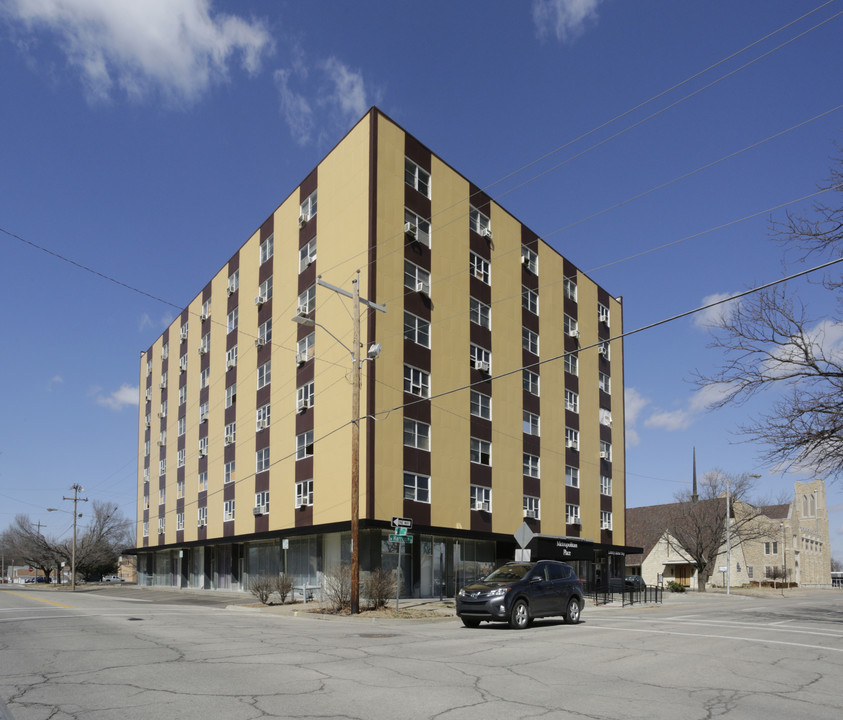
x=498, y=592
x=461, y=593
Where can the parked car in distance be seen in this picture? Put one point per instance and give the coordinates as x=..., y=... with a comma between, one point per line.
x=635, y=582
x=112, y=578
x=519, y=592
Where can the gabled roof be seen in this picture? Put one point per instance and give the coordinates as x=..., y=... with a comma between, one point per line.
x=646, y=525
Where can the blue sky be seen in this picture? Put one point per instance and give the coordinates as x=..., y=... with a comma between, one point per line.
x=137, y=131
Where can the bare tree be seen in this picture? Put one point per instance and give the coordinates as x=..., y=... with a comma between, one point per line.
x=770, y=341
x=697, y=526
x=836, y=565
x=100, y=544
x=25, y=543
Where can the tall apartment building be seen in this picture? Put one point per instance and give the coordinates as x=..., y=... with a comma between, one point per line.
x=497, y=398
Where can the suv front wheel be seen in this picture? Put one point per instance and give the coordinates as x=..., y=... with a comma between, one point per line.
x=572, y=614
x=519, y=618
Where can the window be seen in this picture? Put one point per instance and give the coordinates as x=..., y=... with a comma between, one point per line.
x=605, y=520
x=146, y=502
x=262, y=419
x=162, y=467
x=264, y=333
x=183, y=363
x=530, y=423
x=180, y=521
x=162, y=413
x=230, y=395
x=203, y=447
x=569, y=326
x=146, y=474
x=264, y=374
x=307, y=255
x=262, y=501
x=416, y=177
x=481, y=358
x=571, y=364
x=531, y=465
x=603, y=350
x=416, y=434
x=569, y=287
x=304, y=348
x=416, y=382
x=204, y=377
x=605, y=450
x=180, y=489
x=572, y=514
x=304, y=493
x=530, y=340
x=604, y=382
x=228, y=511
x=480, y=313
x=233, y=282
x=304, y=445
x=183, y=332
x=572, y=476
x=264, y=291
x=146, y=448
x=232, y=319
x=180, y=462
x=266, y=249
x=307, y=301
x=305, y=396
x=481, y=498
x=146, y=529
x=417, y=227
x=481, y=405
x=530, y=300
x=165, y=351
x=149, y=367
x=202, y=516
x=416, y=487
x=162, y=496
x=602, y=313
x=572, y=438
x=416, y=278
x=479, y=222
x=163, y=383
x=182, y=426
x=205, y=344
x=605, y=485
x=308, y=207
x=773, y=546
x=230, y=433
x=161, y=526
x=262, y=460
x=206, y=310
x=530, y=381
x=416, y=329
x=749, y=571
x=182, y=394
x=481, y=451
x=572, y=401
x=203, y=481
x=203, y=412
x=530, y=260
x=531, y=507
x=480, y=268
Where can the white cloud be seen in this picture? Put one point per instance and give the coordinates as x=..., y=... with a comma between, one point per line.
x=670, y=421
x=566, y=19
x=707, y=396
x=126, y=395
x=178, y=48
x=55, y=380
x=634, y=403
x=329, y=95
x=711, y=317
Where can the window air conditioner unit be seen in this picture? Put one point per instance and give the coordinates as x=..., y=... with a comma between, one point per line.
x=228, y=439
x=605, y=526
x=301, y=358
x=570, y=444
x=260, y=300
x=259, y=510
x=162, y=414
x=604, y=455
x=525, y=259
x=202, y=349
x=302, y=310
x=487, y=233
x=302, y=404
x=230, y=290
x=203, y=417
x=531, y=514
x=482, y=506
x=262, y=424
x=161, y=443
x=423, y=287
x=148, y=394
x=232, y=362
x=411, y=230
x=260, y=342
x=162, y=384
x=603, y=350
x=183, y=333
x=302, y=220
x=481, y=365
x=183, y=364
x=478, y=274
x=574, y=333
x=201, y=523
x=204, y=316
x=306, y=263
x=203, y=452
x=147, y=423
x=575, y=521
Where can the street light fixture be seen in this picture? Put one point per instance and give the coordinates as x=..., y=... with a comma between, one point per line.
x=356, y=366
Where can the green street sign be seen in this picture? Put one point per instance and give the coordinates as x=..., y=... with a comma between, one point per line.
x=401, y=539
x=401, y=531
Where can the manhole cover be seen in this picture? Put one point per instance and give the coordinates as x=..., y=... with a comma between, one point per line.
x=378, y=635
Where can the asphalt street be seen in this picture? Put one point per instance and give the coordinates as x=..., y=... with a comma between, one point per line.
x=138, y=653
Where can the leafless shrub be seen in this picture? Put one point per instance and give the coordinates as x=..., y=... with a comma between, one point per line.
x=338, y=588
x=261, y=586
x=282, y=585
x=379, y=586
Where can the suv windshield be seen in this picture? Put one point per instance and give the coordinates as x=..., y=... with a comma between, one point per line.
x=509, y=573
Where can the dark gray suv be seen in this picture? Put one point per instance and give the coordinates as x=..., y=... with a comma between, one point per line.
x=518, y=592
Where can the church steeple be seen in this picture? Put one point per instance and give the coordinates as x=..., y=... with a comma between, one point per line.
x=694, y=495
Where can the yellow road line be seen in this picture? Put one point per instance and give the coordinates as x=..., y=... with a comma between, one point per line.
x=43, y=600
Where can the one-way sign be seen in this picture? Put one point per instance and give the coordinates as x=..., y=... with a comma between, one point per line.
x=399, y=522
